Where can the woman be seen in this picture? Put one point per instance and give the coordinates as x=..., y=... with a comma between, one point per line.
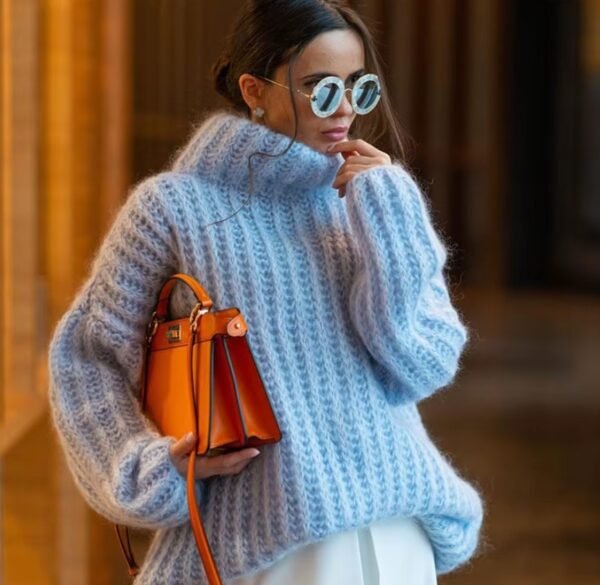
x=349, y=319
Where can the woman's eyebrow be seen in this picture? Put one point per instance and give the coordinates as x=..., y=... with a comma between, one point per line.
x=325, y=74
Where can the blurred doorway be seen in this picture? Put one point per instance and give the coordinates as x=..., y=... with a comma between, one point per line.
x=554, y=124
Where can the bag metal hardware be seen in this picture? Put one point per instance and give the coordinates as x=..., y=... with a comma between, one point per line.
x=174, y=333
x=196, y=313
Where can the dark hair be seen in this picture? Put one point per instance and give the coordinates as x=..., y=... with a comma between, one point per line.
x=271, y=33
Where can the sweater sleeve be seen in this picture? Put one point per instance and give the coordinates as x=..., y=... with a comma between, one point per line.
x=398, y=301
x=118, y=459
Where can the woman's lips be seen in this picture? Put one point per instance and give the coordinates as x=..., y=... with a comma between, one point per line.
x=335, y=135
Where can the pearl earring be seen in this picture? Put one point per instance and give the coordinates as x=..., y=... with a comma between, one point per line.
x=259, y=112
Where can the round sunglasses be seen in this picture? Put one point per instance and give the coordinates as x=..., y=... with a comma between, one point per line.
x=328, y=93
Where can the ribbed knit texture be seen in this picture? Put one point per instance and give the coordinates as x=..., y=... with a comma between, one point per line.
x=350, y=322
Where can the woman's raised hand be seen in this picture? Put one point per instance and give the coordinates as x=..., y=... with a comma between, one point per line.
x=359, y=156
x=226, y=464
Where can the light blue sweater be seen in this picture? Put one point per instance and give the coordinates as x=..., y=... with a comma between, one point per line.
x=350, y=322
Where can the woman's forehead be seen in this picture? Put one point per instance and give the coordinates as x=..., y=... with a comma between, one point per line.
x=338, y=52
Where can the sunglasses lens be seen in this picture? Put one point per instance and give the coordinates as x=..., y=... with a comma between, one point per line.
x=327, y=98
x=366, y=94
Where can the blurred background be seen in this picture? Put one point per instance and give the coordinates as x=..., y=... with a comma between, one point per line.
x=502, y=101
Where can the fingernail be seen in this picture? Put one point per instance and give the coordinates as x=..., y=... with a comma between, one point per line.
x=331, y=146
x=255, y=453
x=189, y=437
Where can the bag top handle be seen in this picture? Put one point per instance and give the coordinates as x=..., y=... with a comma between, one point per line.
x=162, y=307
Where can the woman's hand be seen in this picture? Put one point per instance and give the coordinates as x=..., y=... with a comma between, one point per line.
x=360, y=156
x=226, y=464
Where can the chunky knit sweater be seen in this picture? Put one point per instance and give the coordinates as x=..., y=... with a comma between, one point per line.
x=351, y=324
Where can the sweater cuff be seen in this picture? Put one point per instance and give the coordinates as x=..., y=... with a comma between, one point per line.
x=148, y=485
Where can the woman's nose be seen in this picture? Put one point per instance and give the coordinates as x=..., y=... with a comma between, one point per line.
x=346, y=105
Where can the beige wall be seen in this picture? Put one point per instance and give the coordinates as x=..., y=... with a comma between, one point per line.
x=65, y=170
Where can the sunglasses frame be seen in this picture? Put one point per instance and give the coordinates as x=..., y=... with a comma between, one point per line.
x=343, y=89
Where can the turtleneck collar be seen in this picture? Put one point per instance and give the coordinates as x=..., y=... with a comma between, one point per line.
x=220, y=146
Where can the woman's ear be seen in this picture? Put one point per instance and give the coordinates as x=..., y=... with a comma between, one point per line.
x=252, y=90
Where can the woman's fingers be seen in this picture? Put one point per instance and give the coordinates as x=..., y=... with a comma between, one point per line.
x=350, y=154
x=232, y=459
x=357, y=159
x=179, y=452
x=229, y=463
x=226, y=464
x=346, y=173
x=359, y=156
x=359, y=145
x=182, y=447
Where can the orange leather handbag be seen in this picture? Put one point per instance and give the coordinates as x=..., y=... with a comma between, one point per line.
x=200, y=375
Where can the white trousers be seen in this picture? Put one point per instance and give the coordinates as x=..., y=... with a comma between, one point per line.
x=394, y=551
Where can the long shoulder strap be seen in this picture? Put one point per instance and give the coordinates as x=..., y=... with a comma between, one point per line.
x=210, y=567
x=195, y=518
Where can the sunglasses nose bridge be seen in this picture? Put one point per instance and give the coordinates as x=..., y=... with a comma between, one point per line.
x=341, y=99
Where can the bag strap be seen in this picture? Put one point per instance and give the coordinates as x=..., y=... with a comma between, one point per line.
x=201, y=295
x=202, y=543
x=132, y=566
x=210, y=567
